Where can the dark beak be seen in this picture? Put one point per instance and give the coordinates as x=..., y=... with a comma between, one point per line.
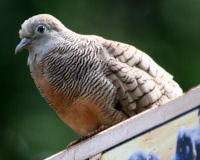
x=24, y=42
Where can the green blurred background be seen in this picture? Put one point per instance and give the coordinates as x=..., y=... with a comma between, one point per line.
x=169, y=31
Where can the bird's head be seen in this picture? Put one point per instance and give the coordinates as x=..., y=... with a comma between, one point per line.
x=37, y=30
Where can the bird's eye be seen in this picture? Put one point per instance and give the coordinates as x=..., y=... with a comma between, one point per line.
x=41, y=29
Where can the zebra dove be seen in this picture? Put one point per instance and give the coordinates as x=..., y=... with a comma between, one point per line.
x=88, y=80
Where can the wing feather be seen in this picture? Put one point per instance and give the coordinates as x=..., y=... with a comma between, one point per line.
x=140, y=81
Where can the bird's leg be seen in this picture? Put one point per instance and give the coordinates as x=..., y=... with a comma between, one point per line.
x=101, y=128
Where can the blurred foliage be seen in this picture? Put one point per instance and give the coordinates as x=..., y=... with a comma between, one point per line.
x=169, y=31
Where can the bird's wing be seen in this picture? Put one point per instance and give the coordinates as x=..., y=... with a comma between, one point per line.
x=141, y=82
x=136, y=89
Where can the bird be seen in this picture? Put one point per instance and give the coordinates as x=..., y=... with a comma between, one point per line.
x=88, y=80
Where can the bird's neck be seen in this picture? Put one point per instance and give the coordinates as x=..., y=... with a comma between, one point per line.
x=33, y=63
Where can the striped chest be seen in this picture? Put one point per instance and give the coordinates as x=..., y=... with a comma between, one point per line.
x=82, y=115
x=76, y=91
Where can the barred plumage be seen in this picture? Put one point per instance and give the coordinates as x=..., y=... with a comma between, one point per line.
x=91, y=81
